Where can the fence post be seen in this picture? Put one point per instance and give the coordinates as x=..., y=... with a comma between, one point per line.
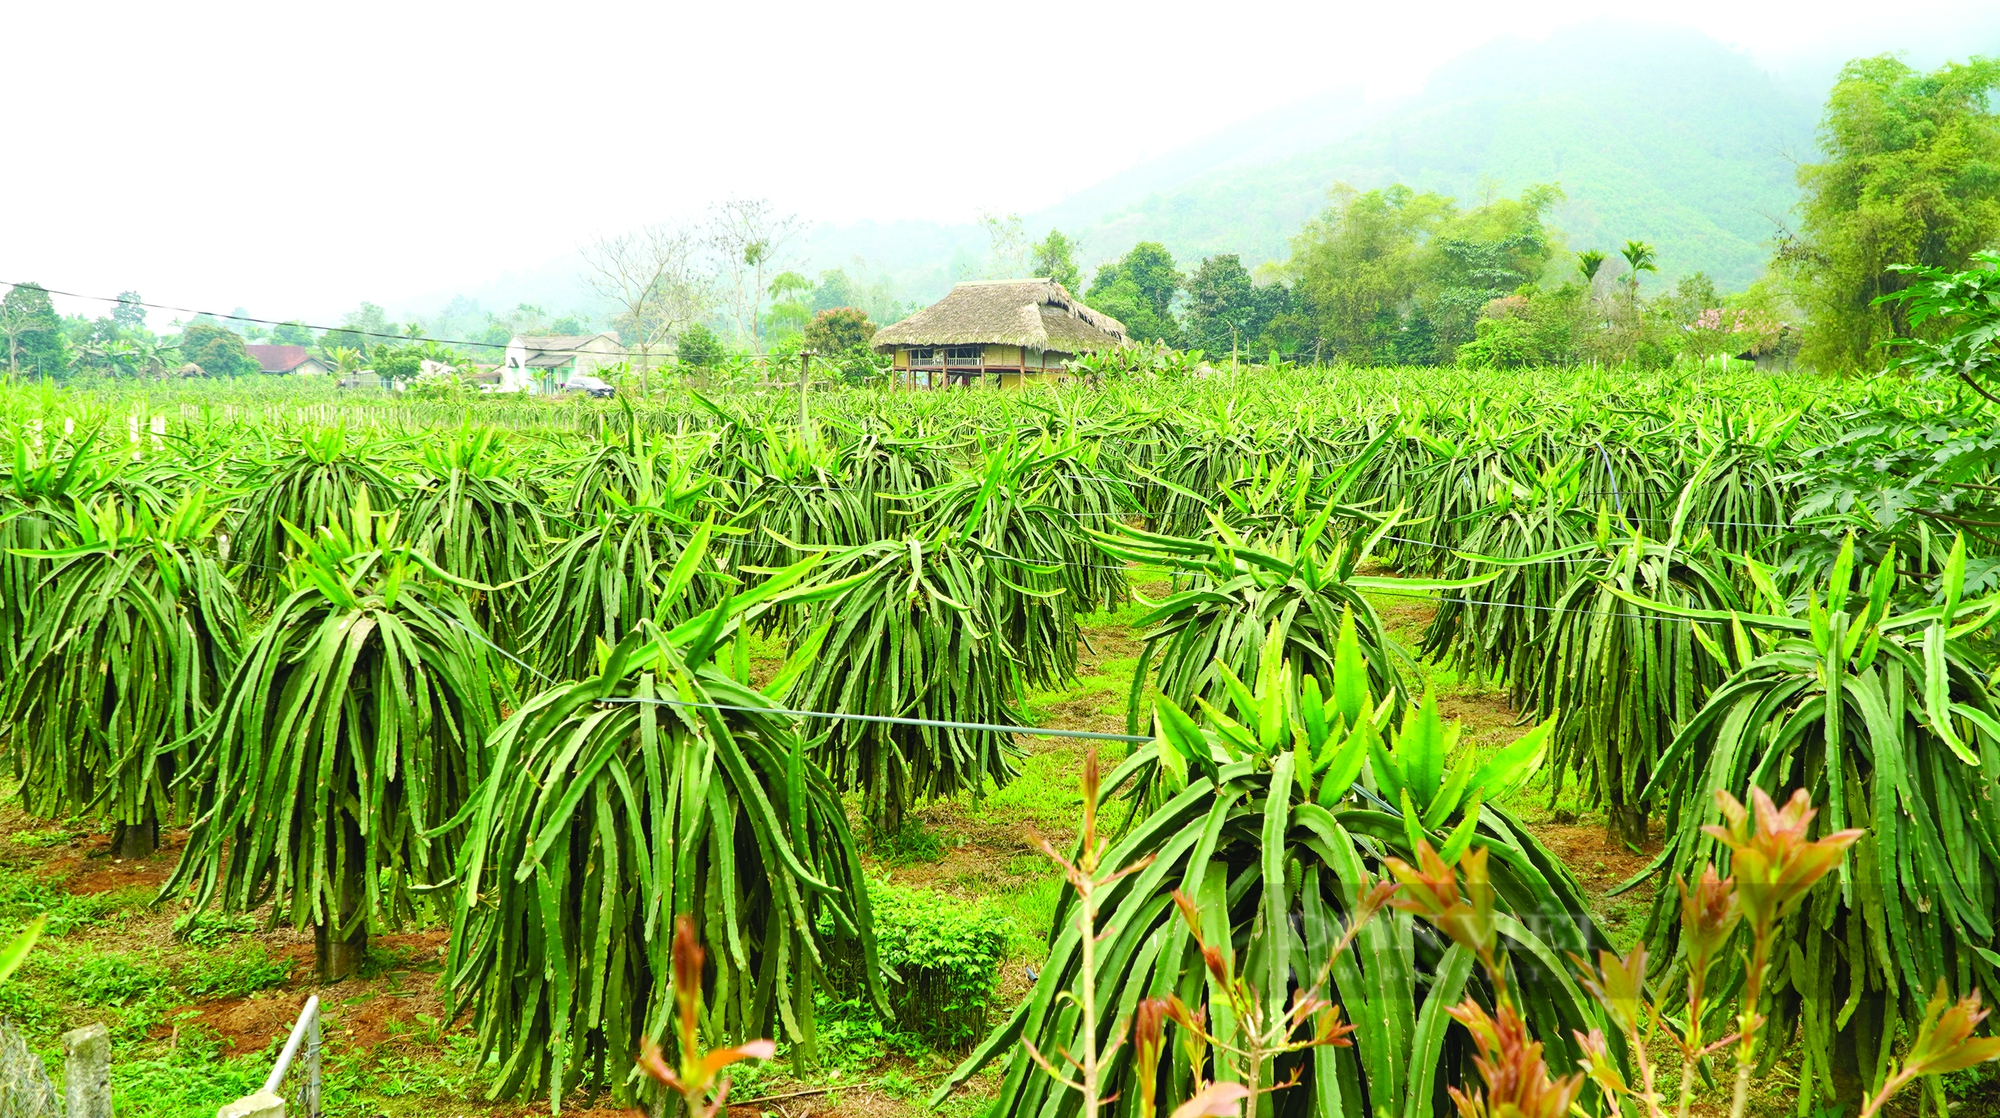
x=87, y=1072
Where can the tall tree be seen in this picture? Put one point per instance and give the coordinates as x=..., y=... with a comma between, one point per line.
x=1639, y=257
x=1055, y=257
x=292, y=333
x=239, y=321
x=840, y=337
x=790, y=307
x=1139, y=291
x=1911, y=176
x=655, y=278
x=127, y=312
x=700, y=347
x=750, y=238
x=1481, y=255
x=32, y=331
x=341, y=337
x=1394, y=276
x=1007, y=245
x=1150, y=267
x=369, y=319
x=835, y=289
x=220, y=352
x=1356, y=268
x=1226, y=312
x=1587, y=264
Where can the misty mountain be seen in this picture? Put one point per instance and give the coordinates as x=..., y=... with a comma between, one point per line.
x=1653, y=134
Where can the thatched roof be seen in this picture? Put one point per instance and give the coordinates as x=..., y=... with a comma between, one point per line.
x=1036, y=313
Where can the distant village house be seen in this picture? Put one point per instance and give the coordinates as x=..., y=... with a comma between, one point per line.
x=1015, y=331
x=543, y=363
x=287, y=360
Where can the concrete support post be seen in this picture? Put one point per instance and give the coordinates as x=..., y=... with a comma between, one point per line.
x=87, y=1072
x=263, y=1104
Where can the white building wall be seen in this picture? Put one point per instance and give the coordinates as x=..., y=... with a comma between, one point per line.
x=515, y=376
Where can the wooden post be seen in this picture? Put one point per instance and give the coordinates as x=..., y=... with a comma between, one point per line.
x=87, y=1072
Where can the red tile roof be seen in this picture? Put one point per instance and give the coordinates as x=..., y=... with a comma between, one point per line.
x=279, y=358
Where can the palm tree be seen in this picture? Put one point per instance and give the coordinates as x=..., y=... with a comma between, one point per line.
x=1587, y=264
x=790, y=312
x=1639, y=257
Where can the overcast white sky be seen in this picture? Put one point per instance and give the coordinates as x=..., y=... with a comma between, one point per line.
x=295, y=159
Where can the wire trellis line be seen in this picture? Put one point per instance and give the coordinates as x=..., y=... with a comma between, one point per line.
x=898, y=720
x=1029, y=731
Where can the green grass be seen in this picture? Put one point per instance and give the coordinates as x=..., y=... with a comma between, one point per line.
x=42, y=840
x=206, y=927
x=912, y=844
x=24, y=897
x=1031, y=907
x=238, y=972
x=191, y=1077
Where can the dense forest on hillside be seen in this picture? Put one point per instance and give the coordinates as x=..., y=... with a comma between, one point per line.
x=1665, y=136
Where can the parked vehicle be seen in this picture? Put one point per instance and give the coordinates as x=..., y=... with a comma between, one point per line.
x=584, y=382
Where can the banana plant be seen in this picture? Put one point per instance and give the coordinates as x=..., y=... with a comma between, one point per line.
x=915, y=635
x=348, y=734
x=1277, y=821
x=661, y=787
x=1888, y=717
x=137, y=631
x=1293, y=587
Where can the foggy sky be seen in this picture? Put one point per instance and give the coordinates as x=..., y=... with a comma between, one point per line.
x=295, y=159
